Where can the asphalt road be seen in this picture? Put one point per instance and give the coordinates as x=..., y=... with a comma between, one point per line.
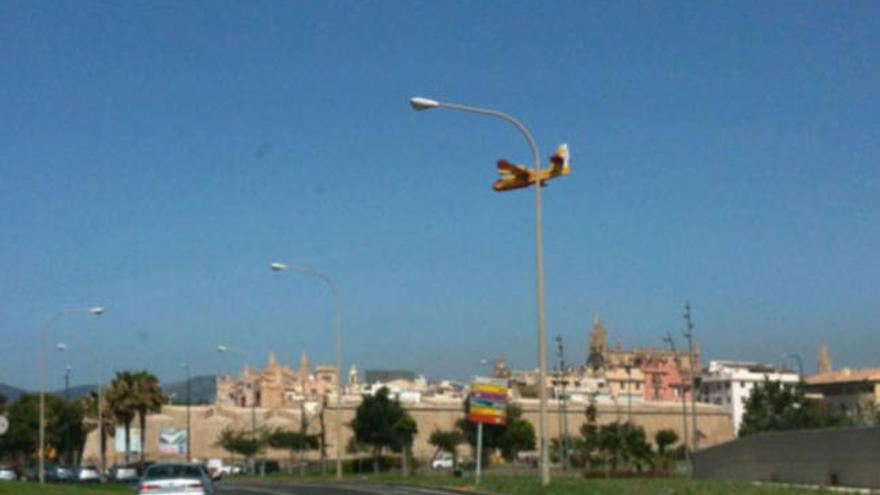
x=352, y=488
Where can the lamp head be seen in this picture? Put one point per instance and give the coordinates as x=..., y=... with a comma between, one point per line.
x=418, y=103
x=222, y=348
x=277, y=267
x=61, y=346
x=97, y=310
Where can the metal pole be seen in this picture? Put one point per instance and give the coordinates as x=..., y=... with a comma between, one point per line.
x=338, y=415
x=188, y=417
x=479, y=453
x=689, y=334
x=628, y=368
x=560, y=348
x=338, y=327
x=684, y=426
x=41, y=358
x=102, y=454
x=539, y=276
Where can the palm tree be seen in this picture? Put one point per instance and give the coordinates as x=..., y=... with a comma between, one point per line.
x=148, y=398
x=90, y=407
x=123, y=404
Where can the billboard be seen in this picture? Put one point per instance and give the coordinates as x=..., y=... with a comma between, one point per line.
x=172, y=440
x=134, y=439
x=487, y=401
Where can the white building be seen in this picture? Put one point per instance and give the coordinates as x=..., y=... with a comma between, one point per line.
x=729, y=384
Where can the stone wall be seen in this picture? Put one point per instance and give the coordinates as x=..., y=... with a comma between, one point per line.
x=845, y=457
x=209, y=421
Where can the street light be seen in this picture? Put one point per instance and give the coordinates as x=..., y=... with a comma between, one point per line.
x=188, y=423
x=224, y=349
x=63, y=347
x=419, y=103
x=41, y=344
x=280, y=267
x=798, y=360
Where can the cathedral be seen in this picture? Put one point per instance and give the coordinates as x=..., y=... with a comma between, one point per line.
x=277, y=385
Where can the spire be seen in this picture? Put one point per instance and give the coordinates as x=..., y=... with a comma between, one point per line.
x=824, y=359
x=270, y=365
x=303, y=367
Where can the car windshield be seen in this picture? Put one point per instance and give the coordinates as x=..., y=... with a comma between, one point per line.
x=168, y=471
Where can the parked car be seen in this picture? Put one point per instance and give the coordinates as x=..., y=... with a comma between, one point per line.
x=174, y=478
x=59, y=473
x=86, y=474
x=442, y=461
x=8, y=473
x=123, y=473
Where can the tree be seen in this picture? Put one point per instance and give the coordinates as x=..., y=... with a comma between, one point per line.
x=122, y=401
x=374, y=421
x=295, y=442
x=245, y=443
x=90, y=411
x=403, y=432
x=590, y=433
x=775, y=406
x=664, y=439
x=637, y=450
x=147, y=398
x=447, y=441
x=518, y=437
x=71, y=430
x=21, y=441
x=624, y=443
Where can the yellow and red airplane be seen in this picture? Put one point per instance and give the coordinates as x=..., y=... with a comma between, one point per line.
x=512, y=176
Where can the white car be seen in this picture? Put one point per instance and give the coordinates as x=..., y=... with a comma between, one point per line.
x=444, y=461
x=87, y=474
x=8, y=473
x=176, y=479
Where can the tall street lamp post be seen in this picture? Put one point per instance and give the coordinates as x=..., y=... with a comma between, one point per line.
x=279, y=267
x=98, y=406
x=419, y=103
x=799, y=361
x=41, y=335
x=188, y=417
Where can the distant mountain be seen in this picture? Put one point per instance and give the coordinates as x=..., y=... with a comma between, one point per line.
x=76, y=392
x=203, y=390
x=11, y=393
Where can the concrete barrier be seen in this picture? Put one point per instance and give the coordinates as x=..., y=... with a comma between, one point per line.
x=831, y=457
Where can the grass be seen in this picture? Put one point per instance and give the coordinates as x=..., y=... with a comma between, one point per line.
x=508, y=484
x=26, y=488
x=531, y=485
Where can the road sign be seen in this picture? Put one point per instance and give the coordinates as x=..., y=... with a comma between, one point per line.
x=487, y=401
x=4, y=425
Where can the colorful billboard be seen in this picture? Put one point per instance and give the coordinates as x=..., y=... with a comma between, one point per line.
x=487, y=401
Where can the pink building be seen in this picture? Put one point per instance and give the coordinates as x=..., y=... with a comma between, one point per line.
x=663, y=381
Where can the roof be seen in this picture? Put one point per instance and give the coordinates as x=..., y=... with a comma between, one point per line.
x=845, y=375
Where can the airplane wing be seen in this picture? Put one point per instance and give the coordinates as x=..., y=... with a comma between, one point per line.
x=505, y=167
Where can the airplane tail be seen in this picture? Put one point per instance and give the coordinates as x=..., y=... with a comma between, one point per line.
x=559, y=161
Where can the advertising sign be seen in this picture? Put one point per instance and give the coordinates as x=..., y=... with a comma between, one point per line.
x=134, y=440
x=487, y=401
x=172, y=440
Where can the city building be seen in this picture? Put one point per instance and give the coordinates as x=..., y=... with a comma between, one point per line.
x=277, y=385
x=730, y=383
x=853, y=392
x=612, y=373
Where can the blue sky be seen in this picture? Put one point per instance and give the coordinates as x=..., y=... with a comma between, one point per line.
x=156, y=156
